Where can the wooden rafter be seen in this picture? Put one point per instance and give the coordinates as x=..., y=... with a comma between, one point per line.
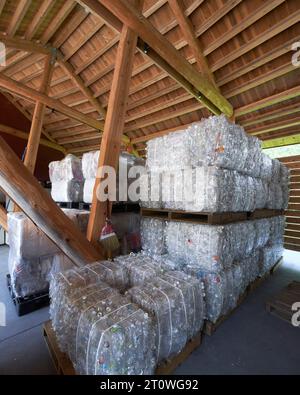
x=114, y=124
x=268, y=101
x=68, y=29
x=187, y=29
x=215, y=17
x=160, y=49
x=38, y=18
x=273, y=114
x=80, y=84
x=2, y=4
x=252, y=107
x=24, y=189
x=57, y=21
x=15, y=87
x=24, y=136
x=282, y=141
x=18, y=16
x=27, y=115
x=275, y=126
x=24, y=45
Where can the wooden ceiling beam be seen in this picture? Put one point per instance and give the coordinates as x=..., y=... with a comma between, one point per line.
x=69, y=28
x=249, y=20
x=278, y=113
x=69, y=69
x=266, y=35
x=24, y=136
x=15, y=21
x=24, y=45
x=38, y=18
x=257, y=62
x=268, y=101
x=187, y=30
x=282, y=141
x=14, y=59
x=30, y=60
x=288, y=123
x=24, y=189
x=214, y=19
x=2, y=4
x=84, y=40
x=81, y=137
x=82, y=149
x=273, y=54
x=161, y=133
x=149, y=63
x=67, y=133
x=65, y=65
x=281, y=133
x=15, y=87
x=26, y=114
x=160, y=49
x=162, y=117
x=261, y=79
x=57, y=21
x=247, y=86
x=249, y=108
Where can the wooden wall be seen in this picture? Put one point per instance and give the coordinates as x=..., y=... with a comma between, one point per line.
x=292, y=231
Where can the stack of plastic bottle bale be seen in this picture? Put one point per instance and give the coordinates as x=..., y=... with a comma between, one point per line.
x=214, y=166
x=67, y=179
x=126, y=316
x=33, y=257
x=124, y=177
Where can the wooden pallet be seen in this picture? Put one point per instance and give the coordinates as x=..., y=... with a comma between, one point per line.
x=64, y=366
x=61, y=361
x=172, y=364
x=194, y=217
x=208, y=218
x=264, y=213
x=210, y=327
x=257, y=282
x=280, y=305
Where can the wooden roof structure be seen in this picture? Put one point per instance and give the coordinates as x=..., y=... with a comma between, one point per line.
x=237, y=51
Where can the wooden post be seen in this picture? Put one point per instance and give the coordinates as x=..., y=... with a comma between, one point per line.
x=24, y=189
x=114, y=124
x=38, y=116
x=3, y=218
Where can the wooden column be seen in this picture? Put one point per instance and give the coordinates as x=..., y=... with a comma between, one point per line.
x=24, y=189
x=114, y=124
x=3, y=217
x=38, y=116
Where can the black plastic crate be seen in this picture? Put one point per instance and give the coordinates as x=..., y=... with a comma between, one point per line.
x=30, y=303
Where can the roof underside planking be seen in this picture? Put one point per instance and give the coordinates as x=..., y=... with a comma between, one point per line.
x=246, y=45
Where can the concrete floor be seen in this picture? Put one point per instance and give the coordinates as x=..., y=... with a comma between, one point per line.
x=251, y=341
